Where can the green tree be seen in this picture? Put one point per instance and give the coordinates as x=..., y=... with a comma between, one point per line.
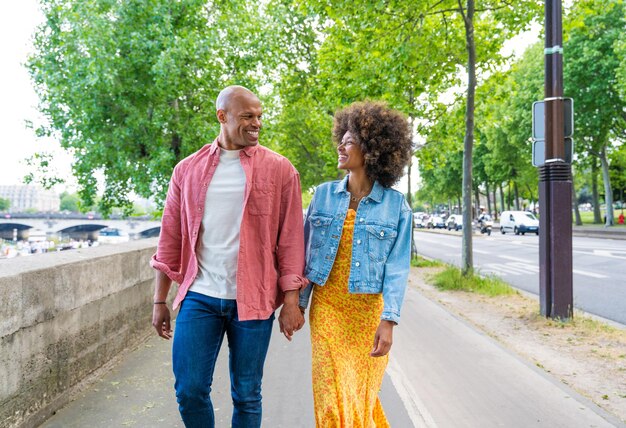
x=4, y=204
x=617, y=172
x=70, y=202
x=129, y=87
x=591, y=71
x=506, y=122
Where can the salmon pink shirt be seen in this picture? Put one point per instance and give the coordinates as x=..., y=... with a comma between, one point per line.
x=271, y=241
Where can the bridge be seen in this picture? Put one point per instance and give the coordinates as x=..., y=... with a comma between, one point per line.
x=85, y=227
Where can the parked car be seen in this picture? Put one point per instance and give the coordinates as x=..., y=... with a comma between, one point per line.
x=518, y=222
x=436, y=222
x=455, y=221
x=418, y=220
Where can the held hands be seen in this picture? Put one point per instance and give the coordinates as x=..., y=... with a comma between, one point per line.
x=383, y=339
x=291, y=318
x=161, y=321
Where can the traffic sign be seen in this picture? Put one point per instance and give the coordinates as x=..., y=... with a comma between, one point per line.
x=539, y=118
x=539, y=152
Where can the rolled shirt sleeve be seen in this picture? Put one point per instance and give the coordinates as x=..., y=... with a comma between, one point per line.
x=290, y=244
x=167, y=258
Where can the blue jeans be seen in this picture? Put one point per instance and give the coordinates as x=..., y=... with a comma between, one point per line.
x=200, y=327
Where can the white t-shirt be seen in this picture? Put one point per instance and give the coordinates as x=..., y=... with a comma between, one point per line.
x=218, y=246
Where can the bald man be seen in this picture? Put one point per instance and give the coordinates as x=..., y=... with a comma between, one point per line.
x=232, y=238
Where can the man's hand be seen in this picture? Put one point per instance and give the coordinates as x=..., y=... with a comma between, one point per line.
x=383, y=339
x=290, y=319
x=161, y=321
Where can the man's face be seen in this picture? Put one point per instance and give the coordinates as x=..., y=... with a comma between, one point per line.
x=240, y=121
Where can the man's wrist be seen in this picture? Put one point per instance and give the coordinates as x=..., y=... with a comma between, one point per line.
x=292, y=297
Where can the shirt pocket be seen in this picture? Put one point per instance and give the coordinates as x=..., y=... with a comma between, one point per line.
x=261, y=199
x=380, y=239
x=319, y=230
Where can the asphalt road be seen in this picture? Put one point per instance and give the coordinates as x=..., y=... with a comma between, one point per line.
x=599, y=265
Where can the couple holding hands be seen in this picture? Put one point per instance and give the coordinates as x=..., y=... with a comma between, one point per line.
x=233, y=238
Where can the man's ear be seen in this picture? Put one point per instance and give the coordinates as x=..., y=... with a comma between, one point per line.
x=221, y=116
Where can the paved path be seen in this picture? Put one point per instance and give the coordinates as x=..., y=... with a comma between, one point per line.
x=443, y=373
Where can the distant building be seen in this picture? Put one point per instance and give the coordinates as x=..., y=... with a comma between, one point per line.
x=25, y=197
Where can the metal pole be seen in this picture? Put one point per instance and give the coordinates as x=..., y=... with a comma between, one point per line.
x=555, y=184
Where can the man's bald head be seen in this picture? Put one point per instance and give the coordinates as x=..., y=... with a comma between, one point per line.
x=229, y=93
x=239, y=112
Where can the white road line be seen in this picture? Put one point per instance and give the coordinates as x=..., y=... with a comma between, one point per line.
x=481, y=251
x=498, y=269
x=515, y=259
x=609, y=254
x=522, y=264
x=589, y=274
x=417, y=411
x=524, y=267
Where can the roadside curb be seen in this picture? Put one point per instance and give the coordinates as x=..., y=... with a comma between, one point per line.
x=606, y=233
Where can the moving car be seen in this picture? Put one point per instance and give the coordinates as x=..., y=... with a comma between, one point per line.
x=519, y=222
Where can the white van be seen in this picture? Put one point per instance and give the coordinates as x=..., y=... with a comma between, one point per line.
x=518, y=222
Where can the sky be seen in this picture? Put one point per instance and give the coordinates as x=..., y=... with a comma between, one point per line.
x=19, y=101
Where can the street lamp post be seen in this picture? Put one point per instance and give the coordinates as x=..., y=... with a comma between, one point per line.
x=555, y=182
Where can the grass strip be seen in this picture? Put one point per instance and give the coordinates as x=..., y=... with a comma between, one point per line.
x=451, y=278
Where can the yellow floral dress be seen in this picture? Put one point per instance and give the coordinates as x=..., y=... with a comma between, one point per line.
x=346, y=380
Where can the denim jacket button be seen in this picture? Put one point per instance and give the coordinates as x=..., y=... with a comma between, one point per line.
x=358, y=241
x=362, y=220
x=357, y=264
x=382, y=233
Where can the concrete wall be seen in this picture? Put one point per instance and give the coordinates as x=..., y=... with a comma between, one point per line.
x=64, y=315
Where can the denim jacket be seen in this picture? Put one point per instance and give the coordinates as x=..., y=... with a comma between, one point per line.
x=381, y=246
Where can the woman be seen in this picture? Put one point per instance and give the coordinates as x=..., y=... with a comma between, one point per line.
x=358, y=235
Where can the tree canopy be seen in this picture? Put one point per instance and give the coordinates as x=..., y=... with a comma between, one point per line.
x=129, y=87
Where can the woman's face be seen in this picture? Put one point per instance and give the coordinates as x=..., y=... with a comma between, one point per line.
x=350, y=154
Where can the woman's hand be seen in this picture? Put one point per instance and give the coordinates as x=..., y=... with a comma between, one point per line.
x=383, y=339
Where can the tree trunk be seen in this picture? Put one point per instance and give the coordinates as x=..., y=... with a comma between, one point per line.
x=509, y=195
x=409, y=196
x=468, y=142
x=608, y=191
x=476, y=211
x=579, y=221
x=459, y=206
x=488, y=199
x=597, y=216
x=501, y=198
x=516, y=190
x=495, y=204
x=532, y=197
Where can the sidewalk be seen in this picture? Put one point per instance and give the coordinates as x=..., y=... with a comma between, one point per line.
x=442, y=373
